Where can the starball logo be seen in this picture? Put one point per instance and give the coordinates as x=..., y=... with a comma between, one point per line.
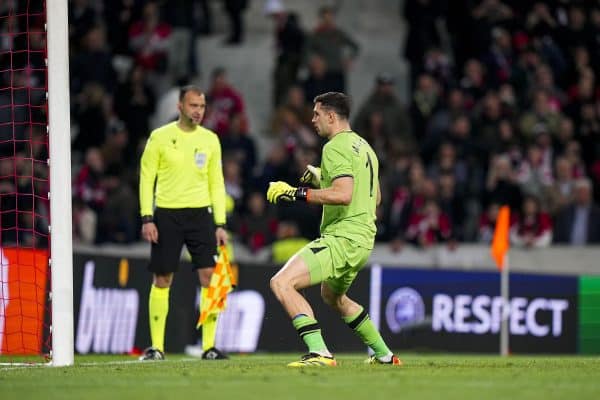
x=404, y=308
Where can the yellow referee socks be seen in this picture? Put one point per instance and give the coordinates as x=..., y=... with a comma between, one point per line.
x=158, y=308
x=209, y=326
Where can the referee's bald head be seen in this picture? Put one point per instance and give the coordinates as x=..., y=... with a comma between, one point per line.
x=189, y=88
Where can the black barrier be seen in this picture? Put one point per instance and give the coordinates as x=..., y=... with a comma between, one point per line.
x=416, y=309
x=111, y=310
x=111, y=305
x=460, y=311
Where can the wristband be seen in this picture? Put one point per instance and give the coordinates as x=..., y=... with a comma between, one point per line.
x=147, y=219
x=302, y=193
x=224, y=226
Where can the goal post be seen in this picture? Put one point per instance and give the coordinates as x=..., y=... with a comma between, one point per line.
x=61, y=245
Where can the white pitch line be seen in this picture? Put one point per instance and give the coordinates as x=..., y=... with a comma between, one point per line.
x=93, y=363
x=10, y=366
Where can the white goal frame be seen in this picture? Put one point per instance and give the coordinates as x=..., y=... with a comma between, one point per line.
x=59, y=128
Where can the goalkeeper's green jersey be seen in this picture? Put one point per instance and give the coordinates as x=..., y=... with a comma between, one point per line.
x=348, y=154
x=186, y=167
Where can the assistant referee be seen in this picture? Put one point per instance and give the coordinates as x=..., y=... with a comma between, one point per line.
x=181, y=175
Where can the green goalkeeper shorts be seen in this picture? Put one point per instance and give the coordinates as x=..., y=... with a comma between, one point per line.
x=334, y=260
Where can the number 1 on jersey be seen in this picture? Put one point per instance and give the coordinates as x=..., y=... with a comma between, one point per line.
x=370, y=165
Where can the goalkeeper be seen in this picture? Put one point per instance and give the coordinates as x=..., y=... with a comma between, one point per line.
x=184, y=160
x=348, y=189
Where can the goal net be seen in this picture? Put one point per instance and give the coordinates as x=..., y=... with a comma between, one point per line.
x=26, y=283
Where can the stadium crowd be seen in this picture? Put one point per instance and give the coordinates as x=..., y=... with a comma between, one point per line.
x=504, y=108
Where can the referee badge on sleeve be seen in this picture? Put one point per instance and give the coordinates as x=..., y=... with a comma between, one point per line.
x=200, y=159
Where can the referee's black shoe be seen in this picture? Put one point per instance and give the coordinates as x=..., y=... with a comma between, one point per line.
x=214, y=354
x=152, y=353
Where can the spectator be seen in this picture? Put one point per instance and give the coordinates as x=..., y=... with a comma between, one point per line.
x=500, y=185
x=447, y=162
x=560, y=193
x=540, y=21
x=118, y=220
x=119, y=16
x=91, y=110
x=421, y=17
x=487, y=15
x=429, y=226
x=439, y=123
x=437, y=64
x=235, y=10
x=295, y=101
x=499, y=59
x=224, y=101
x=89, y=184
x=334, y=45
x=82, y=18
x=394, y=115
x=544, y=80
x=85, y=222
x=452, y=203
x=116, y=159
x=533, y=175
x=134, y=103
x=149, y=42
x=93, y=64
x=487, y=123
x=579, y=223
x=290, y=40
x=424, y=103
x=532, y=228
x=487, y=223
x=572, y=152
x=473, y=83
x=258, y=225
x=541, y=116
x=589, y=131
x=293, y=134
x=234, y=185
x=320, y=79
x=288, y=242
x=239, y=146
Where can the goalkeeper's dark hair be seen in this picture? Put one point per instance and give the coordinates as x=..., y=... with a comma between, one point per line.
x=189, y=88
x=337, y=102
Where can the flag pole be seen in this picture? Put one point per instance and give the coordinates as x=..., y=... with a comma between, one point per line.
x=499, y=252
x=504, y=293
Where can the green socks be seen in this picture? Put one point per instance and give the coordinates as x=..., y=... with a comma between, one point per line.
x=309, y=330
x=362, y=325
x=158, y=308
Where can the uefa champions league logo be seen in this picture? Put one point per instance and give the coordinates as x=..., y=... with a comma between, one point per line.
x=404, y=307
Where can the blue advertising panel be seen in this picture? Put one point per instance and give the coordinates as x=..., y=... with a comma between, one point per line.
x=461, y=311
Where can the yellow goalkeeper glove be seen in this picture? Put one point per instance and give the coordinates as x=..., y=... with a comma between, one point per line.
x=282, y=191
x=311, y=176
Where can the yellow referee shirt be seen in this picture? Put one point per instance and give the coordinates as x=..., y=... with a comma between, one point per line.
x=186, y=167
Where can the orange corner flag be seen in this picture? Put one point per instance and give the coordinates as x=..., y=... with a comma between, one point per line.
x=221, y=283
x=500, y=243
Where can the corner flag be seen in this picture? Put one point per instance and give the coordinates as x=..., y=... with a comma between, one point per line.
x=500, y=243
x=221, y=283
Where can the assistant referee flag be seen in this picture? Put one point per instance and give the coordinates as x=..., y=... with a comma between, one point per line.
x=500, y=243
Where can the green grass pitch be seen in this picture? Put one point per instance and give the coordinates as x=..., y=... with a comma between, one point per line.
x=265, y=376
